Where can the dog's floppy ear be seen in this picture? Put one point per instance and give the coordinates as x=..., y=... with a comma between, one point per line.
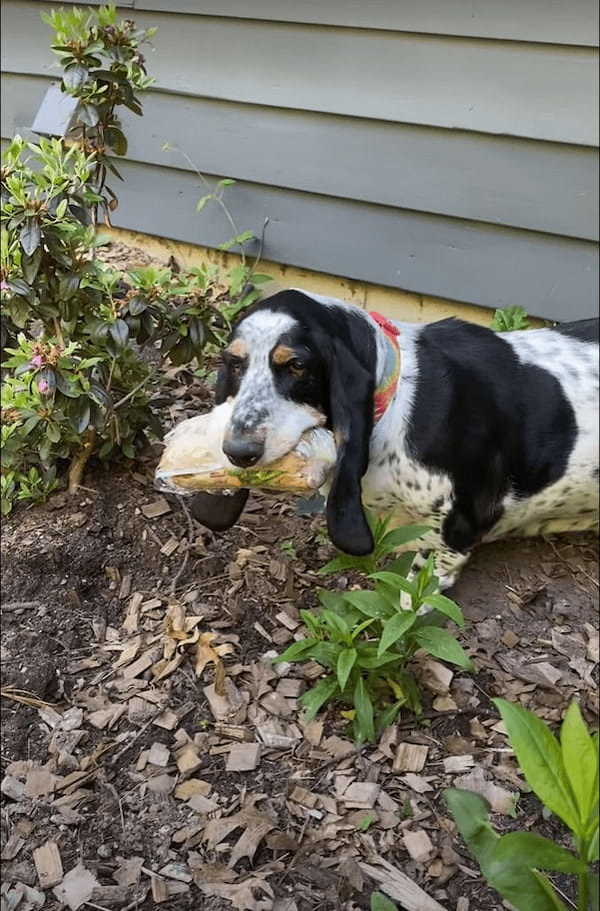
x=351, y=388
x=216, y=511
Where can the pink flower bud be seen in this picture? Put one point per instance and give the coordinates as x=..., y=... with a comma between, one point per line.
x=43, y=386
x=37, y=360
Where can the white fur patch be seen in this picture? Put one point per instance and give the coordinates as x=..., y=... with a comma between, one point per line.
x=258, y=408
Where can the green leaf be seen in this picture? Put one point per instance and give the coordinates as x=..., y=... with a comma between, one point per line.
x=539, y=756
x=318, y=696
x=119, y=330
x=75, y=76
x=369, y=603
x=394, y=629
x=88, y=114
x=203, y=201
x=238, y=240
x=442, y=644
x=445, y=606
x=296, y=650
x=53, y=432
x=345, y=663
x=470, y=812
x=402, y=564
x=30, y=236
x=344, y=561
x=364, y=725
x=116, y=139
x=31, y=264
x=400, y=536
x=580, y=761
x=18, y=286
x=535, y=851
x=593, y=848
x=398, y=583
x=380, y=902
x=336, y=623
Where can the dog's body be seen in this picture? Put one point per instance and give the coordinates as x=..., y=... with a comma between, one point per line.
x=480, y=435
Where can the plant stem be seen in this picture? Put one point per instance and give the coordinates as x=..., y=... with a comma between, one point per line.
x=583, y=892
x=583, y=889
x=80, y=460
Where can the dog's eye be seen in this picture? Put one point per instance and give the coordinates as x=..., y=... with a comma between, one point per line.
x=296, y=366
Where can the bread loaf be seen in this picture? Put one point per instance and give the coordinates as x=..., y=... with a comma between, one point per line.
x=193, y=460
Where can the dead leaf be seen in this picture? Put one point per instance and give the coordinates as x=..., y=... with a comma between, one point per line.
x=243, y=757
x=418, y=844
x=77, y=887
x=48, y=864
x=499, y=799
x=255, y=824
x=410, y=757
x=245, y=895
x=399, y=886
x=207, y=654
x=129, y=872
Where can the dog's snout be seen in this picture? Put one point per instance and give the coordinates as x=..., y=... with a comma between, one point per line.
x=243, y=453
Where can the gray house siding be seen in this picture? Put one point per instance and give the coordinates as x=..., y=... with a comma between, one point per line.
x=440, y=147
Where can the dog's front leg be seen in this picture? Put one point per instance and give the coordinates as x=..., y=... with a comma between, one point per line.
x=448, y=563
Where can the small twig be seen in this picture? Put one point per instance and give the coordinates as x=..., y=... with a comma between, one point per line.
x=137, y=736
x=25, y=697
x=131, y=393
x=113, y=791
x=20, y=605
x=184, y=562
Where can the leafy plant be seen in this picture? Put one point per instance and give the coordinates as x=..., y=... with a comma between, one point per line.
x=80, y=371
x=509, y=319
x=386, y=541
x=365, y=640
x=104, y=70
x=564, y=775
x=245, y=281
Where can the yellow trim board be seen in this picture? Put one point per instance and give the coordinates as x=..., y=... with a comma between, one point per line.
x=391, y=302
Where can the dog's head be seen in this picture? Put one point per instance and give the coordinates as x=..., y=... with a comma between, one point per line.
x=294, y=362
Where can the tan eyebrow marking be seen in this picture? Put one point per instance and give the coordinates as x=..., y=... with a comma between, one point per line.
x=283, y=354
x=238, y=348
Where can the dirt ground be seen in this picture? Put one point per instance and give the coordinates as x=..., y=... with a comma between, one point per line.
x=119, y=759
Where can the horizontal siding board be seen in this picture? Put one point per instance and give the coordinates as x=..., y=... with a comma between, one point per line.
x=532, y=90
x=551, y=21
x=520, y=183
x=553, y=277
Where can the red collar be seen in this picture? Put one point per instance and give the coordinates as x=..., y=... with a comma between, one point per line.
x=387, y=388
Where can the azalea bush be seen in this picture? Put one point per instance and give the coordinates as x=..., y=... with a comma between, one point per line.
x=82, y=344
x=366, y=638
x=564, y=775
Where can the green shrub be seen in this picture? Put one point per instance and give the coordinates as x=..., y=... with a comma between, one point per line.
x=77, y=378
x=365, y=639
x=564, y=775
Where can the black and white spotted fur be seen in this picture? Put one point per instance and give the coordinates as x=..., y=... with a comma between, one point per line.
x=488, y=434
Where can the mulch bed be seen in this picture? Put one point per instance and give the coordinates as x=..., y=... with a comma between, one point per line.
x=153, y=756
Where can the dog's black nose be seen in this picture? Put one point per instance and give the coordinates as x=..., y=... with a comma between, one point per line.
x=243, y=453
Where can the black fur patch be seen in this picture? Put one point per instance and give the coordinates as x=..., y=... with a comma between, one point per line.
x=586, y=330
x=487, y=421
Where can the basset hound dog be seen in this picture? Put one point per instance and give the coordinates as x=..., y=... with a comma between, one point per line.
x=477, y=434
